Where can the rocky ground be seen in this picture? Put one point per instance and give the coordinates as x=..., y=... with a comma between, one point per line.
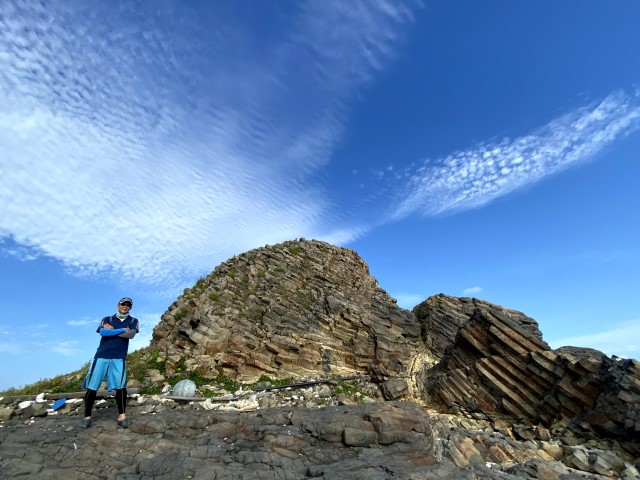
x=318, y=431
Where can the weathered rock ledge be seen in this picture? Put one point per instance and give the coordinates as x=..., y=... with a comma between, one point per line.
x=379, y=440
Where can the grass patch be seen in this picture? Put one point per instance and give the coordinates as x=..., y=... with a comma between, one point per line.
x=180, y=314
x=215, y=297
x=150, y=390
x=140, y=361
x=70, y=382
x=267, y=379
x=199, y=287
x=226, y=383
x=348, y=390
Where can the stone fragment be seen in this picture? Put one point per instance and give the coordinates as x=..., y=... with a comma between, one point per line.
x=523, y=432
x=358, y=437
x=394, y=389
x=630, y=472
x=542, y=433
x=34, y=410
x=154, y=377
x=6, y=413
x=553, y=449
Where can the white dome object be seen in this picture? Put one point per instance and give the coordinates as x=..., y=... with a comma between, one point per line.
x=184, y=388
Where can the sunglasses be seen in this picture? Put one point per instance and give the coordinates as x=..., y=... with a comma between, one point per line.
x=125, y=304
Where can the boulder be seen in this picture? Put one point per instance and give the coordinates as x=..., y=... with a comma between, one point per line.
x=6, y=413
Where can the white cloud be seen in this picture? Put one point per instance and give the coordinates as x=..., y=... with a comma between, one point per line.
x=474, y=177
x=68, y=348
x=82, y=322
x=472, y=290
x=38, y=330
x=72, y=348
x=154, y=168
x=623, y=340
x=147, y=322
x=20, y=252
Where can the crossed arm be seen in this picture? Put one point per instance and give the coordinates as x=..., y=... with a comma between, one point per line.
x=108, y=331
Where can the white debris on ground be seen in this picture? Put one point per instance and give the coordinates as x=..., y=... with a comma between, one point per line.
x=250, y=403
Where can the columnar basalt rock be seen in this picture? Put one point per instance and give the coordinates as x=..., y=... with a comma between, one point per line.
x=442, y=316
x=494, y=361
x=309, y=309
x=301, y=308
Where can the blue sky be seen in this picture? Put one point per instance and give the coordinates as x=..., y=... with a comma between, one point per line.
x=485, y=149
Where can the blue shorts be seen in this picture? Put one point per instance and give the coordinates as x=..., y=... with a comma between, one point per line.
x=114, y=369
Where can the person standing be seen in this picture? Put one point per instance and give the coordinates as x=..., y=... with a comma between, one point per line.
x=110, y=361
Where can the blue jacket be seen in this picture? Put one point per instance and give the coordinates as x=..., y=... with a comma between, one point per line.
x=111, y=345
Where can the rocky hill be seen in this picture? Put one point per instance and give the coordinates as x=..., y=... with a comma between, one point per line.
x=456, y=388
x=298, y=309
x=493, y=361
x=308, y=309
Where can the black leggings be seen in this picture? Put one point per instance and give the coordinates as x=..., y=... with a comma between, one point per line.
x=90, y=398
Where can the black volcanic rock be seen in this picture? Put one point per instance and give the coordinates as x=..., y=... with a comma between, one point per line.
x=388, y=440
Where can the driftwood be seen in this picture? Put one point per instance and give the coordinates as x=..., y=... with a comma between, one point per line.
x=201, y=399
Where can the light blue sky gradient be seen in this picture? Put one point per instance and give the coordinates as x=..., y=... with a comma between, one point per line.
x=485, y=149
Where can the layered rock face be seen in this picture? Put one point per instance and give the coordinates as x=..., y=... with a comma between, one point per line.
x=310, y=309
x=441, y=317
x=301, y=308
x=494, y=361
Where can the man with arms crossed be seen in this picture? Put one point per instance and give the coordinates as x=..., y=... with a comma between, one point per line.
x=110, y=361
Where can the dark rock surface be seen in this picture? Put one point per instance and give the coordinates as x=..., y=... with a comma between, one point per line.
x=380, y=440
